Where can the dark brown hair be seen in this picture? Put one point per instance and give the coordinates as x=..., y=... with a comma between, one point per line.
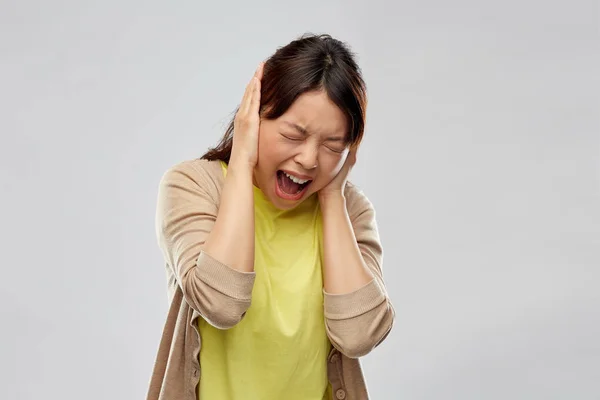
x=309, y=63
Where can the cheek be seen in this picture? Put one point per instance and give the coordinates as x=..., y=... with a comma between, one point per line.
x=330, y=167
x=335, y=163
x=271, y=153
x=266, y=144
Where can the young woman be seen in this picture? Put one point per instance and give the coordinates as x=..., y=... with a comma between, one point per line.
x=273, y=258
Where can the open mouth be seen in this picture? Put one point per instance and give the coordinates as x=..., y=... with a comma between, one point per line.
x=289, y=187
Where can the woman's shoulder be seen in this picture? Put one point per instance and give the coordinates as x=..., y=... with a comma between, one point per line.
x=206, y=174
x=357, y=201
x=209, y=168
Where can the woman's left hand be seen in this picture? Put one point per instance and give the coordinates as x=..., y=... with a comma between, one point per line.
x=335, y=188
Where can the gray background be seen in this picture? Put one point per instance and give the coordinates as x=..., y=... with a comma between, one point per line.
x=482, y=157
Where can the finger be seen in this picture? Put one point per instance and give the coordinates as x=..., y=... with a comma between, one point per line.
x=351, y=157
x=259, y=71
x=244, y=97
x=245, y=104
x=255, y=98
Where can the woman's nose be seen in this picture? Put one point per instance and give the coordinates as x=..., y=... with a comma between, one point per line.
x=308, y=157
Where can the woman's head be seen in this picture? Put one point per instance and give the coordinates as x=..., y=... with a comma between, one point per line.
x=313, y=106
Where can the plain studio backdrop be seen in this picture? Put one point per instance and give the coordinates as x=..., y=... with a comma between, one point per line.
x=481, y=156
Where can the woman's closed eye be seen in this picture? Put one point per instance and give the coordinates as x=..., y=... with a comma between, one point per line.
x=292, y=137
x=336, y=149
x=336, y=145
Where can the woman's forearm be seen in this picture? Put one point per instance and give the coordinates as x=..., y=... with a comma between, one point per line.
x=345, y=270
x=231, y=240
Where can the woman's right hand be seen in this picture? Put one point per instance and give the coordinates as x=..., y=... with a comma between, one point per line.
x=244, y=152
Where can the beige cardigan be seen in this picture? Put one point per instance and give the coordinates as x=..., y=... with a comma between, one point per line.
x=188, y=202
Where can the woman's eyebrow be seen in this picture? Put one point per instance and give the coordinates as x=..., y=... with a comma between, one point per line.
x=297, y=127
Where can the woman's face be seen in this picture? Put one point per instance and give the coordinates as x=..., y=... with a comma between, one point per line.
x=306, y=142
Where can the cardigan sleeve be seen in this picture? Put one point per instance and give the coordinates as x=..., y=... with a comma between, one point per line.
x=186, y=211
x=359, y=321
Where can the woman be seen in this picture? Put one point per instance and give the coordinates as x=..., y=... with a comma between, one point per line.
x=273, y=258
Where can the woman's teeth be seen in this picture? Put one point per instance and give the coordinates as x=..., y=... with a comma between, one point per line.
x=297, y=180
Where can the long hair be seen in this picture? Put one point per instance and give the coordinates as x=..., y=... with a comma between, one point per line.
x=309, y=63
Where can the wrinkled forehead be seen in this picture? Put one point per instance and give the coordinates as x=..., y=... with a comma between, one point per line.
x=316, y=114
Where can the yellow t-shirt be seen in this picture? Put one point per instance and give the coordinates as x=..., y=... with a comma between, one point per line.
x=279, y=349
